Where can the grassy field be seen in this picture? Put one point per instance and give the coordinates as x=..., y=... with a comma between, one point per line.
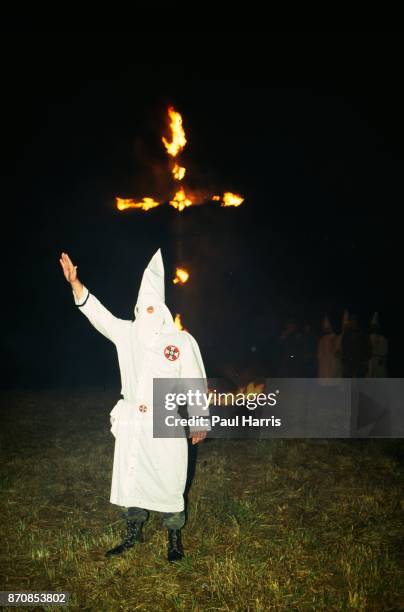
x=272, y=525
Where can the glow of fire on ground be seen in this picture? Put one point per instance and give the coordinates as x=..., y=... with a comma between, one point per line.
x=252, y=387
x=225, y=398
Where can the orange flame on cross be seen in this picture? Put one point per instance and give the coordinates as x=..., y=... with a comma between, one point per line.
x=181, y=200
x=231, y=199
x=178, y=140
x=144, y=204
x=178, y=172
x=181, y=276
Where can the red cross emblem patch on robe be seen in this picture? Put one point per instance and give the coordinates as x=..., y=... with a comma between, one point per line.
x=171, y=352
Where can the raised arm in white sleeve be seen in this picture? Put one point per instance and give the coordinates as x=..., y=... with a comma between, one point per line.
x=106, y=323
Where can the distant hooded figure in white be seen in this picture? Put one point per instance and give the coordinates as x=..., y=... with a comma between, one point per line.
x=329, y=363
x=148, y=473
x=378, y=359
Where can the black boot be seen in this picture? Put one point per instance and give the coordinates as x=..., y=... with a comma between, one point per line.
x=175, y=549
x=133, y=534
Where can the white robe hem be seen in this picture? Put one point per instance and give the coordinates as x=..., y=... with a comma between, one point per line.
x=153, y=507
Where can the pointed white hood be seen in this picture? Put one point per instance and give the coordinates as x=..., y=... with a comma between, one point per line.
x=152, y=285
x=151, y=293
x=327, y=327
x=375, y=319
x=345, y=319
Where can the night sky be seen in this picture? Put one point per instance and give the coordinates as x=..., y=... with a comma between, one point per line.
x=308, y=128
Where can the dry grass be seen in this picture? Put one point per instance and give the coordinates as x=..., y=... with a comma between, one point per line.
x=272, y=525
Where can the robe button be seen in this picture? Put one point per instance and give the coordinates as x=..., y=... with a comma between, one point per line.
x=143, y=408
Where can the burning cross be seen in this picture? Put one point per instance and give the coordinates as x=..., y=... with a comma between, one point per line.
x=182, y=198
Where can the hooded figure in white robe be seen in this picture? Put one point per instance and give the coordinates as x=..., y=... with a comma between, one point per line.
x=148, y=473
x=378, y=359
x=344, y=326
x=329, y=363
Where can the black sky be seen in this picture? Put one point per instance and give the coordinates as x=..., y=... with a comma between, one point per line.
x=308, y=127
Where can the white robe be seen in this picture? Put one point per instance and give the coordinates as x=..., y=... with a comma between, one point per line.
x=329, y=364
x=377, y=362
x=147, y=472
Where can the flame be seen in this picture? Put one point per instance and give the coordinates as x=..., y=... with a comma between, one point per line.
x=178, y=141
x=178, y=172
x=181, y=276
x=252, y=387
x=216, y=198
x=180, y=200
x=232, y=199
x=177, y=322
x=226, y=398
x=144, y=204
